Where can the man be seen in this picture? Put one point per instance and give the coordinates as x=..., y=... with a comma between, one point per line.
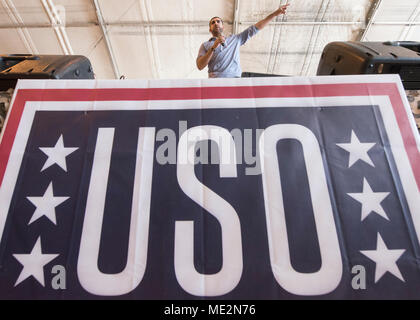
x=221, y=54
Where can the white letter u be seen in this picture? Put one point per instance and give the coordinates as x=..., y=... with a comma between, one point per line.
x=90, y=277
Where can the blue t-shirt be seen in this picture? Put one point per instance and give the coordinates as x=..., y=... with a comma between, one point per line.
x=225, y=60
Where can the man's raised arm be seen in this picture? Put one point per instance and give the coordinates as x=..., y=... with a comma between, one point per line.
x=261, y=24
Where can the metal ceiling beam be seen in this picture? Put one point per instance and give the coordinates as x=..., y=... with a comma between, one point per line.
x=235, y=23
x=413, y=18
x=313, y=41
x=307, y=23
x=58, y=26
x=275, y=42
x=197, y=24
x=162, y=23
x=17, y=20
x=151, y=43
x=370, y=19
x=398, y=23
x=107, y=40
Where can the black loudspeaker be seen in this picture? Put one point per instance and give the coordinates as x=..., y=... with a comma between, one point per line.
x=253, y=74
x=16, y=66
x=403, y=58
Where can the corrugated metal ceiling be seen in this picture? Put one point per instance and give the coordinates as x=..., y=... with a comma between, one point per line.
x=160, y=39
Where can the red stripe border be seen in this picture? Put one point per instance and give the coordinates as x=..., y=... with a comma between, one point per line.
x=194, y=93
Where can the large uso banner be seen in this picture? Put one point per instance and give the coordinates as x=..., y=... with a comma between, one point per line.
x=265, y=188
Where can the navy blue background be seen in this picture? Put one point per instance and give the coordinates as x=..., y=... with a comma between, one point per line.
x=330, y=125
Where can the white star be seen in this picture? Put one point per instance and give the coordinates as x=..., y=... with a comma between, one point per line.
x=33, y=263
x=45, y=205
x=385, y=259
x=357, y=150
x=57, y=154
x=371, y=201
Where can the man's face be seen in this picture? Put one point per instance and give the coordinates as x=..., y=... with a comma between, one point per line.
x=216, y=26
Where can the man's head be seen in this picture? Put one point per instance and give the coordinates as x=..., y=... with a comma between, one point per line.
x=216, y=26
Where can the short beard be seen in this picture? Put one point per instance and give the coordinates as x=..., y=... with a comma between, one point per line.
x=217, y=33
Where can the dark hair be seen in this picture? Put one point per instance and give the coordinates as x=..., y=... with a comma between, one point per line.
x=214, y=18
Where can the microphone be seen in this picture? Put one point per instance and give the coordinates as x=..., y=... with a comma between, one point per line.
x=222, y=43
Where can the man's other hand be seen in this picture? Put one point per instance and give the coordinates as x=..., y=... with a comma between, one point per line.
x=282, y=9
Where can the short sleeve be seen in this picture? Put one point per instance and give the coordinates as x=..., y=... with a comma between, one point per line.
x=202, y=51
